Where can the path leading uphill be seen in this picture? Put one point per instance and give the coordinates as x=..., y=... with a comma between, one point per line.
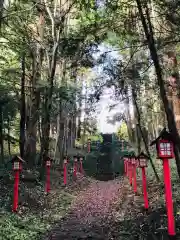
x=90, y=214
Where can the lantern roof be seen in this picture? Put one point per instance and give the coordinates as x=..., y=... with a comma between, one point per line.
x=17, y=158
x=48, y=159
x=164, y=135
x=143, y=155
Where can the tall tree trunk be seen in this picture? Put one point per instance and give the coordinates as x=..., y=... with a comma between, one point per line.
x=174, y=88
x=1, y=135
x=9, y=140
x=128, y=115
x=62, y=118
x=22, y=107
x=69, y=133
x=79, y=128
x=48, y=104
x=1, y=10
x=147, y=26
x=74, y=128
x=138, y=139
x=142, y=134
x=61, y=133
x=34, y=101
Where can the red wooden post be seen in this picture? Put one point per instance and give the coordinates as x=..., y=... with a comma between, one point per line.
x=17, y=167
x=75, y=167
x=130, y=171
x=47, y=184
x=146, y=203
x=65, y=170
x=165, y=151
x=168, y=194
x=16, y=190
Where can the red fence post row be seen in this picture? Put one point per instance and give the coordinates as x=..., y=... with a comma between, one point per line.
x=75, y=167
x=133, y=163
x=165, y=151
x=17, y=168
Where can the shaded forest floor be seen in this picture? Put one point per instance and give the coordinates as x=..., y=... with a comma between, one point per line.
x=90, y=212
x=37, y=212
x=87, y=209
x=109, y=210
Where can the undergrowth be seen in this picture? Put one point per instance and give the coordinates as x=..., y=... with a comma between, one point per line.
x=36, y=213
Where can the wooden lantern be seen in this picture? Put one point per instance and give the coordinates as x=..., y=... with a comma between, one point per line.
x=165, y=149
x=17, y=163
x=164, y=145
x=75, y=158
x=48, y=161
x=133, y=160
x=143, y=160
x=65, y=159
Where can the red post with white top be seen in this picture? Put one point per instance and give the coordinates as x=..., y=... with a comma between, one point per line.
x=48, y=162
x=165, y=151
x=130, y=170
x=17, y=167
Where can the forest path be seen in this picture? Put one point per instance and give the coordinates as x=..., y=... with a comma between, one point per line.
x=90, y=213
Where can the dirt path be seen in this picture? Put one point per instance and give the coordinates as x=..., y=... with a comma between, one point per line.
x=90, y=213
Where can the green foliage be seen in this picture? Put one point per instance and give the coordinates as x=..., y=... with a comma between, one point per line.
x=13, y=227
x=123, y=132
x=94, y=138
x=31, y=226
